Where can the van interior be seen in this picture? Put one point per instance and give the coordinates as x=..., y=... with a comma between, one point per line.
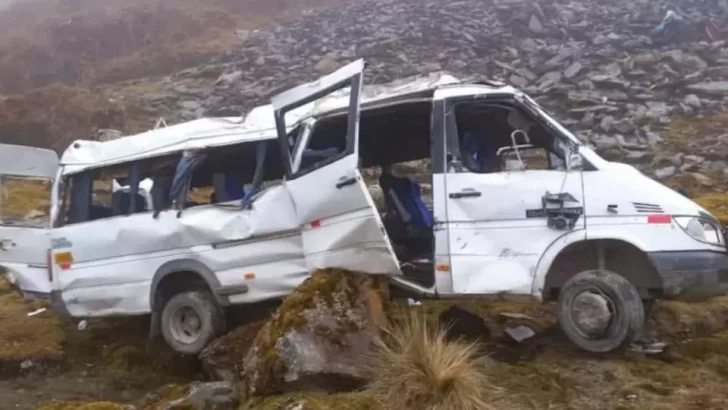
x=395, y=154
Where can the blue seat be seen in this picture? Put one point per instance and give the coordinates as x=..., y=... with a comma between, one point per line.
x=481, y=156
x=404, y=196
x=234, y=188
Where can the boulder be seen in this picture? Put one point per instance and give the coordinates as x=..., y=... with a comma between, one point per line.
x=221, y=358
x=320, y=338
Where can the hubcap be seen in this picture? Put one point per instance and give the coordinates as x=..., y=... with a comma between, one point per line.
x=186, y=325
x=591, y=313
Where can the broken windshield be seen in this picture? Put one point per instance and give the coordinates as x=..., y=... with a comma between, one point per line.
x=540, y=111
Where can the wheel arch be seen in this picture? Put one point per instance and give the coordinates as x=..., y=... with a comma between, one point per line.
x=185, y=266
x=549, y=271
x=618, y=255
x=194, y=273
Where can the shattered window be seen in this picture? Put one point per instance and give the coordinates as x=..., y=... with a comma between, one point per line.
x=497, y=137
x=534, y=158
x=25, y=201
x=101, y=193
x=106, y=189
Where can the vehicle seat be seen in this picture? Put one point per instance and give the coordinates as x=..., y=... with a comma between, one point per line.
x=121, y=202
x=405, y=197
x=229, y=186
x=480, y=156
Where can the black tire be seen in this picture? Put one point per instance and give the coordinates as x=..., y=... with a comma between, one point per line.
x=178, y=321
x=625, y=318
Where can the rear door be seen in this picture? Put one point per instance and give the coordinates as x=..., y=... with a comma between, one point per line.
x=26, y=181
x=341, y=227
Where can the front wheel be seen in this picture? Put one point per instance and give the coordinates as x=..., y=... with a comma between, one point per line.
x=600, y=311
x=190, y=320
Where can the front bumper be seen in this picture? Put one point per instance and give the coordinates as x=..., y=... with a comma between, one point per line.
x=692, y=275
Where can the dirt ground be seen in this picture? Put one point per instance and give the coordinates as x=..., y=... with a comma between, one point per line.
x=112, y=361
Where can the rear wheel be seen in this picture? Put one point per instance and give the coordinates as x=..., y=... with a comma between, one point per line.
x=190, y=320
x=600, y=311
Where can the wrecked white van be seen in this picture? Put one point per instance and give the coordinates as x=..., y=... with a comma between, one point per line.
x=519, y=208
x=26, y=178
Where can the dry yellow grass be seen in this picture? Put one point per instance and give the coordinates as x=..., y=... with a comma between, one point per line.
x=79, y=405
x=23, y=197
x=418, y=368
x=22, y=338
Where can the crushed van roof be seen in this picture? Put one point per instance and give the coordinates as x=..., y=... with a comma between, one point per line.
x=258, y=124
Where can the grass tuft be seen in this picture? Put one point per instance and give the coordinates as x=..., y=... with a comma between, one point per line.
x=418, y=368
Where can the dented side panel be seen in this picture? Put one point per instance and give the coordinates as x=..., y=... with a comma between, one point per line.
x=496, y=239
x=114, y=260
x=340, y=224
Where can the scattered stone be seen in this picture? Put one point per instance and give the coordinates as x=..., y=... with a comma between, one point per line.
x=718, y=88
x=229, y=78
x=535, y=26
x=461, y=322
x=206, y=396
x=666, y=172
x=520, y=333
x=572, y=70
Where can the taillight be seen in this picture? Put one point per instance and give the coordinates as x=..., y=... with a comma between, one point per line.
x=49, y=256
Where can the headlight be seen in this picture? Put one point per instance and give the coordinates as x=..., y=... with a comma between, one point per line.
x=701, y=229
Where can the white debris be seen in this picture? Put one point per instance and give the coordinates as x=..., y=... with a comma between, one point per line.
x=36, y=312
x=82, y=325
x=520, y=333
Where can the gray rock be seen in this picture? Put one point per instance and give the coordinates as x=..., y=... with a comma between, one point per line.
x=572, y=70
x=666, y=172
x=207, y=396
x=718, y=88
x=518, y=81
x=229, y=78
x=189, y=105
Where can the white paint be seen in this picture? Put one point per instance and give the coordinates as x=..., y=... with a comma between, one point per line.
x=115, y=259
x=494, y=248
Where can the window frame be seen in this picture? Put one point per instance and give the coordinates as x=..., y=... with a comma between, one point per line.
x=19, y=224
x=454, y=154
x=69, y=189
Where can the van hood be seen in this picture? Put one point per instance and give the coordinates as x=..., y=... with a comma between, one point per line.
x=646, y=193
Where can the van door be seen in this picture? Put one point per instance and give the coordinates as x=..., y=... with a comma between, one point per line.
x=340, y=225
x=501, y=222
x=26, y=181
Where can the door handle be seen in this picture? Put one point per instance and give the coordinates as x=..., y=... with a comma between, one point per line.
x=6, y=244
x=465, y=194
x=346, y=182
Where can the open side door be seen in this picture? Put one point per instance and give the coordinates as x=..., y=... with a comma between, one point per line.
x=341, y=227
x=26, y=183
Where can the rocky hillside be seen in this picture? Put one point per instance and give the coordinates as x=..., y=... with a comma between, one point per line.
x=595, y=65
x=90, y=42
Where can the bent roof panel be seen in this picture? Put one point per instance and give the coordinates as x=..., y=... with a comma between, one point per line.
x=259, y=124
